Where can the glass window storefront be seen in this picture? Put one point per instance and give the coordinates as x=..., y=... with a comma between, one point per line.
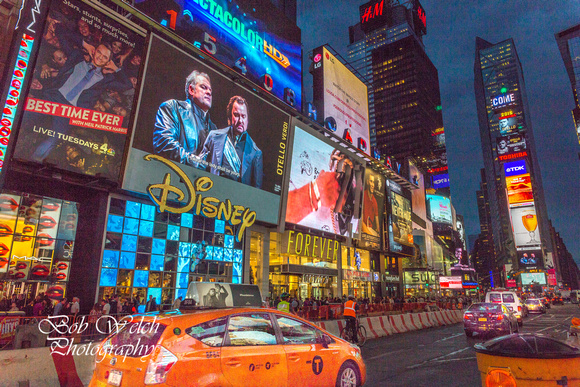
x=37, y=236
x=303, y=265
x=357, y=277
x=152, y=253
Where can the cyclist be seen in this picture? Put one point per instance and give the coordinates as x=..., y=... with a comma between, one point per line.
x=284, y=305
x=350, y=309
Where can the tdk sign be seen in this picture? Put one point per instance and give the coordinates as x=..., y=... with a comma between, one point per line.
x=503, y=100
x=515, y=168
x=441, y=181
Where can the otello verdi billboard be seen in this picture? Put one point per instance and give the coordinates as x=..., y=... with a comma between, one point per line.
x=196, y=123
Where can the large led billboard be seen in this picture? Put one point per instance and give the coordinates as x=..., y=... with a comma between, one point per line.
x=81, y=95
x=508, y=123
x=519, y=189
x=440, y=181
x=325, y=186
x=439, y=209
x=399, y=221
x=525, y=227
x=501, y=101
x=207, y=126
x=371, y=223
x=530, y=259
x=533, y=278
x=37, y=239
x=418, y=195
x=511, y=144
x=341, y=99
x=453, y=282
x=253, y=38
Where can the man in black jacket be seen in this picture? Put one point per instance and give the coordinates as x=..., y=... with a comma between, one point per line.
x=181, y=127
x=231, y=151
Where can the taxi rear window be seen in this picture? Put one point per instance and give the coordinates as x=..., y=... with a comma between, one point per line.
x=210, y=332
x=137, y=339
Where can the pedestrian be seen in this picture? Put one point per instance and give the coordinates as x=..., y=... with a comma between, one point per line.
x=75, y=307
x=59, y=308
x=14, y=308
x=177, y=303
x=151, y=305
x=105, y=307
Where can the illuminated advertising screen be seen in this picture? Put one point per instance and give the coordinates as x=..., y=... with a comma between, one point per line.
x=525, y=227
x=325, y=186
x=371, y=223
x=515, y=168
x=415, y=278
x=439, y=209
x=253, y=38
x=342, y=98
x=218, y=130
x=501, y=101
x=438, y=138
x=530, y=258
x=418, y=195
x=28, y=31
x=374, y=14
x=440, y=181
x=454, y=282
x=533, y=278
x=513, y=156
x=400, y=225
x=511, y=144
x=81, y=95
x=37, y=239
x=519, y=189
x=507, y=124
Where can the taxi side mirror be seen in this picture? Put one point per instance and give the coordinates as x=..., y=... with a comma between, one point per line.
x=324, y=340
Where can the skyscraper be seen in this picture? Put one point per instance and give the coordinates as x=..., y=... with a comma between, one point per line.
x=519, y=220
x=569, y=45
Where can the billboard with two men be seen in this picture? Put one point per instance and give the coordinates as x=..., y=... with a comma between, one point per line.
x=203, y=143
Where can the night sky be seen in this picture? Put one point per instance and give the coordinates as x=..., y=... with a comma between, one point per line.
x=450, y=43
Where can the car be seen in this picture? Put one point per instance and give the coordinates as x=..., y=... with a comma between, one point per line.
x=535, y=305
x=547, y=301
x=558, y=300
x=508, y=298
x=489, y=318
x=231, y=346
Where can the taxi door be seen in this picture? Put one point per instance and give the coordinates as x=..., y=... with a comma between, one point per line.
x=309, y=363
x=251, y=353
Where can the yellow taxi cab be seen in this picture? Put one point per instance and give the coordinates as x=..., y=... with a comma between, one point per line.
x=231, y=346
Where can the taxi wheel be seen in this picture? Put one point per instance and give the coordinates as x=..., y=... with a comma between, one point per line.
x=348, y=376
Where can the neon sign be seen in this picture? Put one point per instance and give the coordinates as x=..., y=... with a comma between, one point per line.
x=13, y=98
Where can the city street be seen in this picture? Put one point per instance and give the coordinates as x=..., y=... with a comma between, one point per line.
x=444, y=355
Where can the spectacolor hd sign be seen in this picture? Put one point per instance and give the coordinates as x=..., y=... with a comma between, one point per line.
x=342, y=98
x=239, y=140
x=252, y=37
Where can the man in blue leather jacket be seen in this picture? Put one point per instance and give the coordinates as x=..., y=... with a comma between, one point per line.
x=181, y=127
x=231, y=151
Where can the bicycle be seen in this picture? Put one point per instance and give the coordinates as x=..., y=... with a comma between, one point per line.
x=361, y=331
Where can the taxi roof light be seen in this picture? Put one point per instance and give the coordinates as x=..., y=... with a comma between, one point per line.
x=159, y=366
